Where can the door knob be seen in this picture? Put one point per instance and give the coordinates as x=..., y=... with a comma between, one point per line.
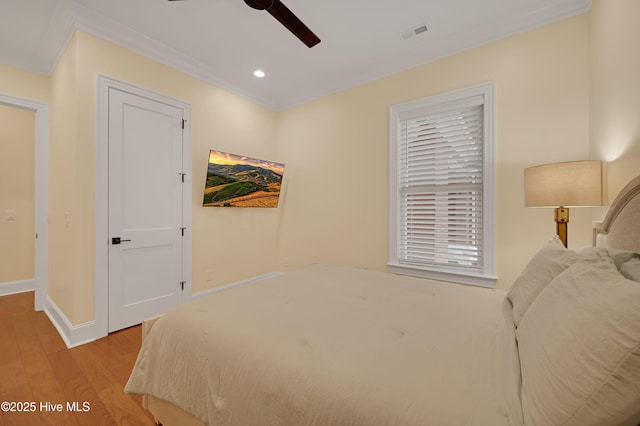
x=118, y=240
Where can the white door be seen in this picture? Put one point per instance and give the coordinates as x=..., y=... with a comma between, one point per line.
x=145, y=208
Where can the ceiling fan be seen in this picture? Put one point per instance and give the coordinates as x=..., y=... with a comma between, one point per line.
x=282, y=13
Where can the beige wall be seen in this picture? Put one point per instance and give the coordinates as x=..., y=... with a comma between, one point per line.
x=66, y=258
x=17, y=193
x=24, y=84
x=565, y=91
x=232, y=243
x=614, y=27
x=337, y=202
x=17, y=263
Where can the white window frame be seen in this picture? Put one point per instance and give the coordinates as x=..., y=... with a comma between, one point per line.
x=485, y=275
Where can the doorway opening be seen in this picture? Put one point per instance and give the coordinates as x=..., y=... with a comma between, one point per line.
x=41, y=193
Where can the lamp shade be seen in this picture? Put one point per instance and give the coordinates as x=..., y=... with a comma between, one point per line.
x=569, y=184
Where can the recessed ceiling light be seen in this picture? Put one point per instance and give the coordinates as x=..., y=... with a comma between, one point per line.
x=258, y=73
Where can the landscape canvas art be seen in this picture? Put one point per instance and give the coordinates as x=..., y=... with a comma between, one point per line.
x=239, y=181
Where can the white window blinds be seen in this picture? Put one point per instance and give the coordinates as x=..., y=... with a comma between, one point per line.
x=441, y=187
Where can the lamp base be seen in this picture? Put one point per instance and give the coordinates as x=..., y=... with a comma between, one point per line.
x=561, y=216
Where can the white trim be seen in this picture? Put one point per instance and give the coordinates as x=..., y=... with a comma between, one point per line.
x=489, y=195
x=88, y=20
x=58, y=37
x=444, y=47
x=101, y=300
x=476, y=280
x=41, y=261
x=72, y=15
x=15, y=287
x=235, y=284
x=401, y=111
x=73, y=335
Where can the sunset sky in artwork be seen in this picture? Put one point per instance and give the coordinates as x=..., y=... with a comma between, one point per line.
x=218, y=157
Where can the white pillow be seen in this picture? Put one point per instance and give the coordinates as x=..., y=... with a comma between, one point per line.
x=543, y=267
x=619, y=257
x=631, y=269
x=579, y=347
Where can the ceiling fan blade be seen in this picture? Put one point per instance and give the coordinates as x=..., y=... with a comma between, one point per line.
x=286, y=17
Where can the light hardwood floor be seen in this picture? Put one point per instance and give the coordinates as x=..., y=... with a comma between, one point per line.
x=36, y=366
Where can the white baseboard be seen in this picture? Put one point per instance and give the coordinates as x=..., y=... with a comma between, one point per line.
x=76, y=335
x=73, y=335
x=14, y=287
x=235, y=284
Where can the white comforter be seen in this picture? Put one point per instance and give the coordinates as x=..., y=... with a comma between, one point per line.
x=337, y=346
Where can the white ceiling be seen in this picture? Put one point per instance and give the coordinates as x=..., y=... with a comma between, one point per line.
x=224, y=41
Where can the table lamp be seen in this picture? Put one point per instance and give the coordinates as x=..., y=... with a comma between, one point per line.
x=564, y=185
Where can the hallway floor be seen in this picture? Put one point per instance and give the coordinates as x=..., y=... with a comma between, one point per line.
x=36, y=367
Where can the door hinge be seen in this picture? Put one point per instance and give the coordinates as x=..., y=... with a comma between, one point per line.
x=183, y=123
x=182, y=175
x=182, y=283
x=182, y=231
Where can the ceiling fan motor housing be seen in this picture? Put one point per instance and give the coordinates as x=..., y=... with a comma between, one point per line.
x=259, y=4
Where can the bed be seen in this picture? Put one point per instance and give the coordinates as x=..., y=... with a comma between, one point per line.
x=328, y=345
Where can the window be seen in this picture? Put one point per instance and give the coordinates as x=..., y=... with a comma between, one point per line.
x=441, y=187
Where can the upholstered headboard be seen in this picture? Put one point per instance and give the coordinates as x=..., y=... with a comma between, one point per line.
x=621, y=226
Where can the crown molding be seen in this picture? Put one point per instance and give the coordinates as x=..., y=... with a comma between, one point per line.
x=58, y=36
x=72, y=15
x=449, y=46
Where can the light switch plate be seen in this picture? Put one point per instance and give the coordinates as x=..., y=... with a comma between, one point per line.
x=10, y=215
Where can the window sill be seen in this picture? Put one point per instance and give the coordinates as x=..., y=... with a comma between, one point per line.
x=479, y=280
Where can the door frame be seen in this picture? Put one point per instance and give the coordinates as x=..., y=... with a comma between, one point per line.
x=41, y=237
x=101, y=295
